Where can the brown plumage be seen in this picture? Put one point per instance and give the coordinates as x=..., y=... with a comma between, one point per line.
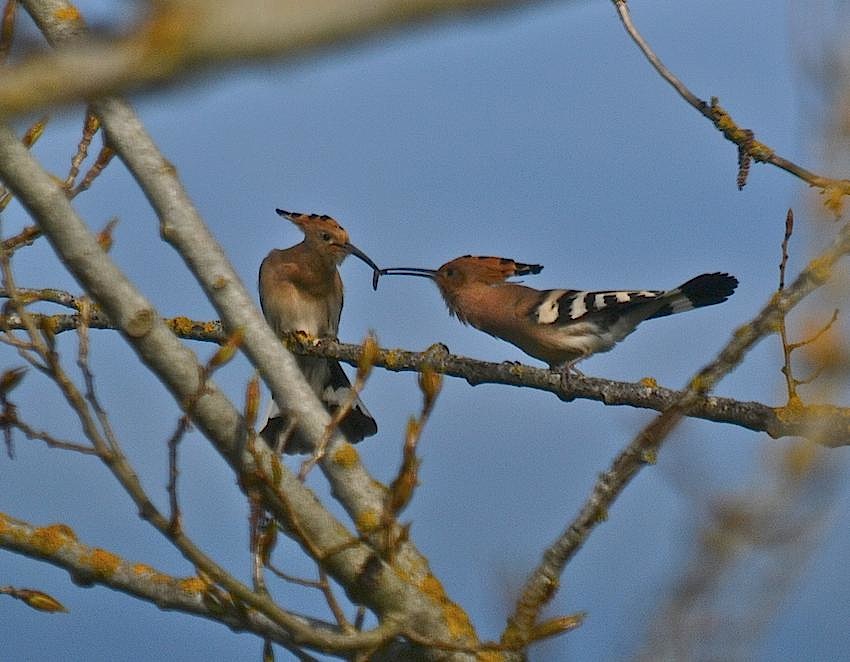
x=560, y=326
x=301, y=290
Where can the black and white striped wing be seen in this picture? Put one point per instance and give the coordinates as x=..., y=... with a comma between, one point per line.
x=565, y=307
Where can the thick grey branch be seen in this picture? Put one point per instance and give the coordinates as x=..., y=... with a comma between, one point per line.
x=57, y=545
x=183, y=37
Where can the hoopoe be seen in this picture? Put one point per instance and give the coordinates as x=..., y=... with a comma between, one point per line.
x=560, y=327
x=301, y=290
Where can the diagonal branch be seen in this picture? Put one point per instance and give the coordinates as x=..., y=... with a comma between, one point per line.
x=58, y=545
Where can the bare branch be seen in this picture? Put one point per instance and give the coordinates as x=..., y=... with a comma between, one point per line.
x=58, y=545
x=831, y=421
x=748, y=147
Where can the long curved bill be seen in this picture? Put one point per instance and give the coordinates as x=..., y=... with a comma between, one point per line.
x=402, y=271
x=356, y=252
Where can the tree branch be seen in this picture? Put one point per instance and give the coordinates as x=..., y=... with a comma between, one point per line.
x=831, y=422
x=185, y=37
x=748, y=147
x=57, y=544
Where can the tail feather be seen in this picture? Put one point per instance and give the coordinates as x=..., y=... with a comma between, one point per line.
x=357, y=424
x=703, y=290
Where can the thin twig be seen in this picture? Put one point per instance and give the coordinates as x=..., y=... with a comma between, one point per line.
x=90, y=126
x=724, y=123
x=793, y=398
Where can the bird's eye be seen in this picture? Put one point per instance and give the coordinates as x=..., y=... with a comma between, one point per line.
x=326, y=236
x=450, y=272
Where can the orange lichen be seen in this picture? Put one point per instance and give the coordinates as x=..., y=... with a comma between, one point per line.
x=192, y=585
x=367, y=521
x=391, y=358
x=649, y=382
x=183, y=326
x=833, y=199
x=820, y=269
x=101, y=562
x=50, y=539
x=142, y=569
x=432, y=587
x=68, y=13
x=346, y=455
x=458, y=622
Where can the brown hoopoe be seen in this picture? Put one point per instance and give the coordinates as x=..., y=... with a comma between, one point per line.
x=560, y=327
x=301, y=290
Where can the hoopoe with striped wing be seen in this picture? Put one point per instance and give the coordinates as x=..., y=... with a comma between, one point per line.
x=560, y=327
x=301, y=290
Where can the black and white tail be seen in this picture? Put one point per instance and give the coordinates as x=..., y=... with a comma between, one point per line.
x=333, y=387
x=703, y=290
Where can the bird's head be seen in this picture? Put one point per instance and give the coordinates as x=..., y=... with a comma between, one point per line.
x=465, y=271
x=327, y=237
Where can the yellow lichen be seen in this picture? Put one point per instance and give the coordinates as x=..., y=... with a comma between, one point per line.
x=192, y=585
x=367, y=521
x=820, y=269
x=456, y=618
x=649, y=382
x=432, y=587
x=102, y=562
x=68, y=13
x=142, y=569
x=391, y=358
x=698, y=384
x=791, y=412
x=181, y=325
x=346, y=455
x=50, y=539
x=833, y=199
x=458, y=622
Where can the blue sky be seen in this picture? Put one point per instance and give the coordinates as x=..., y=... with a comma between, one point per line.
x=541, y=135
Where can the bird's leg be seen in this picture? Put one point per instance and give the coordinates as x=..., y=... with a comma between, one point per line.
x=568, y=368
